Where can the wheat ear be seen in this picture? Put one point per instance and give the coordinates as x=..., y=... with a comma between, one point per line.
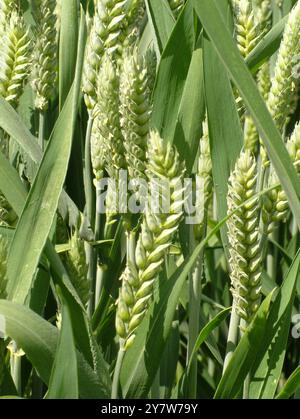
x=105, y=35
x=205, y=182
x=44, y=73
x=275, y=203
x=77, y=267
x=155, y=238
x=135, y=109
x=243, y=235
x=283, y=83
x=15, y=58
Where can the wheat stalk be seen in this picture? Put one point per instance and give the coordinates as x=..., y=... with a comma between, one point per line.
x=15, y=58
x=3, y=266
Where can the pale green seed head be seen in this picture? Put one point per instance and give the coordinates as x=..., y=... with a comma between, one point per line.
x=283, y=82
x=14, y=58
x=135, y=109
x=44, y=71
x=245, y=261
x=77, y=267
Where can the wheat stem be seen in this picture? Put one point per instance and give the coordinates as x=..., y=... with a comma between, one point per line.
x=116, y=378
x=89, y=196
x=232, y=338
x=41, y=137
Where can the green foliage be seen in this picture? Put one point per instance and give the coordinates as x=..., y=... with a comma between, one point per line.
x=184, y=286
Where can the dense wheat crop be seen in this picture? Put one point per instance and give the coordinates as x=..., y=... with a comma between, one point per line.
x=149, y=199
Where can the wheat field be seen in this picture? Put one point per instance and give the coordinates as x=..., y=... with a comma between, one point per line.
x=149, y=199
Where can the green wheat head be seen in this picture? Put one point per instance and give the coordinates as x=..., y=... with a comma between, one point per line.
x=135, y=109
x=15, y=58
x=154, y=241
x=44, y=73
x=77, y=267
x=243, y=235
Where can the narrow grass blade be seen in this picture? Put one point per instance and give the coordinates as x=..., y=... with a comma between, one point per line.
x=291, y=386
x=170, y=85
x=63, y=382
x=203, y=335
x=161, y=21
x=11, y=185
x=12, y=123
x=225, y=133
x=191, y=110
x=67, y=47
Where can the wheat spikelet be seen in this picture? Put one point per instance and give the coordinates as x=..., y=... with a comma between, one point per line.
x=44, y=73
x=154, y=240
x=293, y=147
x=77, y=267
x=243, y=235
x=6, y=7
x=204, y=191
x=108, y=116
x=262, y=14
x=108, y=23
x=247, y=31
x=15, y=58
x=275, y=204
x=3, y=266
x=262, y=17
x=98, y=150
x=109, y=128
x=134, y=17
x=135, y=109
x=283, y=84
